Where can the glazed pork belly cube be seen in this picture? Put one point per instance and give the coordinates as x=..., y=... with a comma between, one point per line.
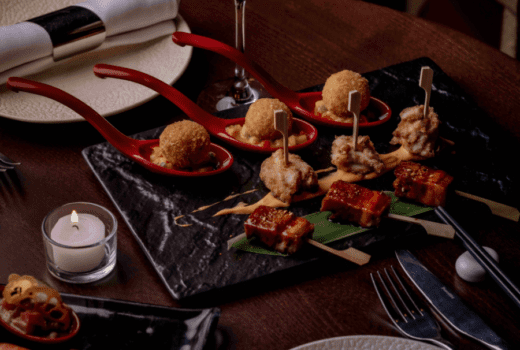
x=284, y=181
x=355, y=203
x=417, y=133
x=363, y=160
x=278, y=229
x=421, y=183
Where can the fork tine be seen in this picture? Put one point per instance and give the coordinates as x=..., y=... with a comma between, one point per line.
x=418, y=309
x=390, y=295
x=4, y=167
x=383, y=300
x=396, y=292
x=414, y=324
x=7, y=161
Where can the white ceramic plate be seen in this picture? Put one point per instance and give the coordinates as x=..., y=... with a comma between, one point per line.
x=366, y=342
x=160, y=58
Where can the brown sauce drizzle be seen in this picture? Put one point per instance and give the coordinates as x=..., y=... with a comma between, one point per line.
x=210, y=205
x=325, y=170
x=181, y=225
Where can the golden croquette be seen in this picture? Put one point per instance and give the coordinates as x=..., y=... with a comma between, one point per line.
x=337, y=89
x=259, y=121
x=185, y=144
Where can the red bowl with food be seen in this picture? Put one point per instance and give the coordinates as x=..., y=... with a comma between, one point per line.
x=31, y=320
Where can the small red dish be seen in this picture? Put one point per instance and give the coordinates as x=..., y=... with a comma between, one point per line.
x=215, y=126
x=73, y=330
x=137, y=150
x=301, y=103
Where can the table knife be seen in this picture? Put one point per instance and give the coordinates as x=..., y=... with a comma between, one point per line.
x=447, y=303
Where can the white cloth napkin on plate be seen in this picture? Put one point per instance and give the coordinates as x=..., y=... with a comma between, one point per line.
x=26, y=48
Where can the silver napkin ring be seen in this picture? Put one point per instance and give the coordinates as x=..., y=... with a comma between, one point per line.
x=73, y=30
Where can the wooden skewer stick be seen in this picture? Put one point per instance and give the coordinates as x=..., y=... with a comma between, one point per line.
x=498, y=209
x=426, y=83
x=432, y=228
x=354, y=102
x=350, y=254
x=233, y=240
x=280, y=124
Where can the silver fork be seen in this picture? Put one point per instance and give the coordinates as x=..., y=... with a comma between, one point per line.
x=412, y=321
x=6, y=163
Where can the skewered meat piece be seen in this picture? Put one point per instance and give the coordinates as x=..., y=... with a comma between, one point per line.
x=416, y=133
x=279, y=229
x=284, y=181
x=361, y=161
x=421, y=183
x=356, y=203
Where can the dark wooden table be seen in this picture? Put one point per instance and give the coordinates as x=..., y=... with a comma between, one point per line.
x=300, y=42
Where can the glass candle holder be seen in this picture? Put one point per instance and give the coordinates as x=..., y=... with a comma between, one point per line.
x=80, y=242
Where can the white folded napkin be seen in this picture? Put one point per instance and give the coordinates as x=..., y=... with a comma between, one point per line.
x=26, y=48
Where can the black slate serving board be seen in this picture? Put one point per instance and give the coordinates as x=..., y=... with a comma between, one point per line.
x=115, y=324
x=195, y=259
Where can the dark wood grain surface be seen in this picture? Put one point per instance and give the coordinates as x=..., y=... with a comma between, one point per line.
x=300, y=43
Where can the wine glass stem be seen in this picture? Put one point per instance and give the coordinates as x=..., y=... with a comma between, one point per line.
x=241, y=89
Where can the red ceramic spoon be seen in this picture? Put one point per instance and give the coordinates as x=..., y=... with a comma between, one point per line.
x=301, y=103
x=74, y=329
x=215, y=126
x=137, y=150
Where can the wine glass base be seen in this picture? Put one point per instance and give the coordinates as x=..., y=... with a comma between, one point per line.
x=217, y=97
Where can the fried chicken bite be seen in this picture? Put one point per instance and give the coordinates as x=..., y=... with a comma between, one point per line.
x=364, y=160
x=183, y=144
x=336, y=95
x=284, y=181
x=416, y=133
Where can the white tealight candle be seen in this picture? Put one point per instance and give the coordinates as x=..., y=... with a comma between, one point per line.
x=76, y=231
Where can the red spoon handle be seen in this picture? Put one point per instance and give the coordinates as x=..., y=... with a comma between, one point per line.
x=272, y=86
x=111, y=134
x=212, y=123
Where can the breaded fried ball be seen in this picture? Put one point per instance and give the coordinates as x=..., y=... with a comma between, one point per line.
x=337, y=89
x=259, y=121
x=185, y=144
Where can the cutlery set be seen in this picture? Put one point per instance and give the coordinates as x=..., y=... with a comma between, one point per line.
x=415, y=322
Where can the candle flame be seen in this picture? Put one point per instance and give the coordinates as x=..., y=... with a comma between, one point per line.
x=74, y=217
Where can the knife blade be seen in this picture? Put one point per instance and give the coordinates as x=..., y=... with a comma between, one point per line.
x=447, y=303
